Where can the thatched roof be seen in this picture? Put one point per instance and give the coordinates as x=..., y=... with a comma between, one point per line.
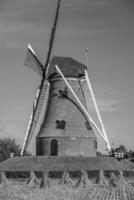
x=46, y=163
x=68, y=66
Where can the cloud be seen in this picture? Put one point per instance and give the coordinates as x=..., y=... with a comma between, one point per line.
x=20, y=19
x=16, y=35
x=108, y=100
x=109, y=105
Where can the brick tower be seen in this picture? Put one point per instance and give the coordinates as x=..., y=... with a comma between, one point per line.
x=65, y=130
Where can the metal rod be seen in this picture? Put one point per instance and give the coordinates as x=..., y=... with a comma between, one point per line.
x=83, y=108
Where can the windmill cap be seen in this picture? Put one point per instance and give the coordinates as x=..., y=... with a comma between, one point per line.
x=68, y=66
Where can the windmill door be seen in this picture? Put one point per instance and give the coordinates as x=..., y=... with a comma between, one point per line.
x=54, y=147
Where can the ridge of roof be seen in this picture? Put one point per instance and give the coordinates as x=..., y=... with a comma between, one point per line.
x=68, y=66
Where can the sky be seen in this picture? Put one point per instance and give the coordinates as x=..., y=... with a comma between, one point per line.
x=105, y=27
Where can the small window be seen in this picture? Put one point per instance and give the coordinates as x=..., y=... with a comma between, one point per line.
x=60, y=124
x=63, y=93
x=88, y=125
x=81, y=74
x=60, y=92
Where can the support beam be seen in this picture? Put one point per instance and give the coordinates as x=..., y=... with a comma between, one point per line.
x=81, y=105
x=96, y=109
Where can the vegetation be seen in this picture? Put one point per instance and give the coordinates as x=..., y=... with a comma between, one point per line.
x=8, y=146
x=127, y=153
x=121, y=149
x=66, y=187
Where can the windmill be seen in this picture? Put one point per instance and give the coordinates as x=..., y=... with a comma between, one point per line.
x=67, y=128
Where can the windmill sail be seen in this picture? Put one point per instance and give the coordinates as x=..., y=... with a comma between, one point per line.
x=52, y=36
x=33, y=62
x=37, y=107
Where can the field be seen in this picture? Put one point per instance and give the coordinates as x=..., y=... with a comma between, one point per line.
x=18, y=190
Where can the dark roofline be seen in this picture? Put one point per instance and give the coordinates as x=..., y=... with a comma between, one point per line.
x=68, y=66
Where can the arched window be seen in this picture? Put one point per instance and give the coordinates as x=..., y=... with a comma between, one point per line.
x=54, y=147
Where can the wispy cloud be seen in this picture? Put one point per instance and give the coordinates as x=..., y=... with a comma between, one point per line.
x=16, y=35
x=36, y=18
x=109, y=105
x=108, y=100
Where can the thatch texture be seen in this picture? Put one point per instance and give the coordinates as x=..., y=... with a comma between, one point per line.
x=113, y=180
x=68, y=66
x=101, y=179
x=59, y=163
x=4, y=182
x=127, y=164
x=66, y=180
x=32, y=181
x=84, y=180
x=45, y=182
x=122, y=180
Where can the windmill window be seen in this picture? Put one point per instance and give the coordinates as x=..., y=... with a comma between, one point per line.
x=60, y=91
x=81, y=74
x=54, y=147
x=63, y=93
x=60, y=124
x=95, y=144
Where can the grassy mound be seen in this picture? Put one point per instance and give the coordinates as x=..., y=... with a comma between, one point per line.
x=59, y=163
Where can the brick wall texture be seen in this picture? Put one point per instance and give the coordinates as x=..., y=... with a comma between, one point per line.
x=75, y=139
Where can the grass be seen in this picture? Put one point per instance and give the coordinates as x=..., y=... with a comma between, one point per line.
x=62, y=163
x=60, y=192
x=87, y=189
x=56, y=192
